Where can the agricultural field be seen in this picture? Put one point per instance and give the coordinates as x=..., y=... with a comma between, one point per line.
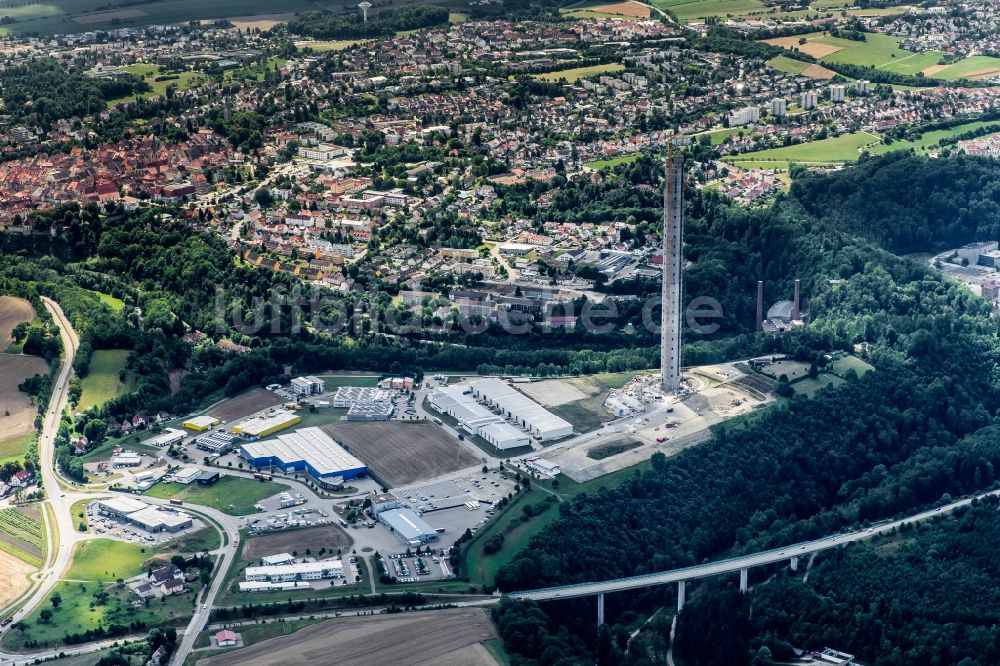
x=883, y=52
x=14, y=580
x=400, y=453
x=21, y=535
x=231, y=494
x=575, y=74
x=245, y=404
x=102, y=382
x=17, y=418
x=13, y=311
x=452, y=636
x=516, y=529
x=79, y=15
x=330, y=537
x=930, y=140
x=691, y=10
x=621, y=10
x=835, y=150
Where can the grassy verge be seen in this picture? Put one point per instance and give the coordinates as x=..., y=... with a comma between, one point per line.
x=230, y=494
x=516, y=528
x=102, y=382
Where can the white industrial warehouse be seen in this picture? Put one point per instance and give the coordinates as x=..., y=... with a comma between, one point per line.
x=148, y=517
x=308, y=450
x=477, y=419
x=518, y=407
x=408, y=526
x=281, y=573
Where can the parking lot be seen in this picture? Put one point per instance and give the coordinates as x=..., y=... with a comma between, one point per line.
x=418, y=569
x=110, y=528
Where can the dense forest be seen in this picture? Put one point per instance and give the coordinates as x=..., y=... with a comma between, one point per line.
x=923, y=595
x=43, y=90
x=380, y=23
x=917, y=428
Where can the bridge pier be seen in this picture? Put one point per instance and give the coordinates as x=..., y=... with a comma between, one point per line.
x=794, y=564
x=680, y=596
x=743, y=580
x=600, y=609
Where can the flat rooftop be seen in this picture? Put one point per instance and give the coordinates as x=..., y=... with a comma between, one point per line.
x=309, y=445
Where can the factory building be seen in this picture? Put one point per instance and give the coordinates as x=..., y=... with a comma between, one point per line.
x=200, y=423
x=527, y=413
x=150, y=518
x=408, y=526
x=170, y=437
x=504, y=436
x=187, y=475
x=281, y=573
x=264, y=586
x=308, y=450
x=215, y=442
x=263, y=426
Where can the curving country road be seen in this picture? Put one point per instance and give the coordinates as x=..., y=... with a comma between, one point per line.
x=61, y=534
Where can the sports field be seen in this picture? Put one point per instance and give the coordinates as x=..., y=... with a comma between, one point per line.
x=575, y=74
x=103, y=380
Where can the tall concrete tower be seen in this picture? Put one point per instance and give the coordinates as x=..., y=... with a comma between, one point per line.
x=795, y=301
x=759, y=325
x=365, y=6
x=673, y=260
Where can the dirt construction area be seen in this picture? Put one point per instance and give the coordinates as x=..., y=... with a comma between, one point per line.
x=402, y=453
x=14, y=580
x=450, y=637
x=18, y=416
x=328, y=536
x=12, y=312
x=245, y=404
x=552, y=392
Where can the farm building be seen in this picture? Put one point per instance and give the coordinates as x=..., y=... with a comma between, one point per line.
x=408, y=526
x=200, y=423
x=281, y=573
x=169, y=438
x=302, y=386
x=527, y=413
x=262, y=426
x=307, y=450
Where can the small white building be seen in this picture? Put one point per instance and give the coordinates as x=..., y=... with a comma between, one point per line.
x=543, y=467
x=170, y=437
x=308, y=385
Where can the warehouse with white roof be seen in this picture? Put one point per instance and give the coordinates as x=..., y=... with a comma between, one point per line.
x=279, y=573
x=408, y=526
x=308, y=450
x=459, y=403
x=521, y=409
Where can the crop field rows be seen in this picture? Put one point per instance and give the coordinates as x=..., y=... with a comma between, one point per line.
x=21, y=536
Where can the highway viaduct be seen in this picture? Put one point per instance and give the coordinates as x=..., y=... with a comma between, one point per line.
x=741, y=564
